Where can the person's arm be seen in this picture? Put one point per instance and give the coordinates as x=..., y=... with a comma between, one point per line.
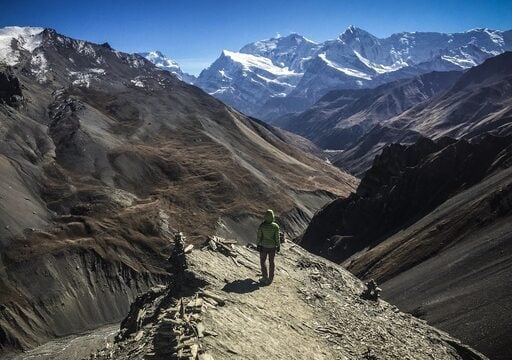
x=259, y=236
x=277, y=241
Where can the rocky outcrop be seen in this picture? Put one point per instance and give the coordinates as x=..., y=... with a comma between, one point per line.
x=404, y=184
x=10, y=88
x=452, y=266
x=313, y=309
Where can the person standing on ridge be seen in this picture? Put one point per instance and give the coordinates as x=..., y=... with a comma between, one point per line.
x=268, y=243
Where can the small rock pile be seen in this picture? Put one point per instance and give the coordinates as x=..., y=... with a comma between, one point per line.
x=170, y=332
x=372, y=291
x=178, y=260
x=224, y=246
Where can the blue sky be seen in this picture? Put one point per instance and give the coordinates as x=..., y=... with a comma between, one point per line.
x=195, y=32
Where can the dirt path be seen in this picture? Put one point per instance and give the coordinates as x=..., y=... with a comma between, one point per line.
x=311, y=311
x=260, y=322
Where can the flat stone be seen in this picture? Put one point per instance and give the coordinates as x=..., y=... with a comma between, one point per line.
x=210, y=295
x=139, y=335
x=207, y=332
x=205, y=357
x=212, y=245
x=193, y=350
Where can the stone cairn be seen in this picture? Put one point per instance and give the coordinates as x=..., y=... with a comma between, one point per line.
x=180, y=330
x=178, y=259
x=165, y=322
x=180, y=327
x=372, y=291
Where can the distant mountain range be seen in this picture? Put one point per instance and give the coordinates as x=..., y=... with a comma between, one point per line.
x=341, y=117
x=478, y=101
x=269, y=78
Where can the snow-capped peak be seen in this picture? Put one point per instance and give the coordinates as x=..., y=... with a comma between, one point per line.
x=161, y=61
x=279, y=44
x=156, y=53
x=353, y=33
x=294, y=38
x=249, y=61
x=286, y=51
x=165, y=63
x=27, y=38
x=307, y=70
x=352, y=29
x=476, y=30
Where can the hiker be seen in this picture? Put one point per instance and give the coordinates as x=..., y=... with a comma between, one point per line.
x=268, y=243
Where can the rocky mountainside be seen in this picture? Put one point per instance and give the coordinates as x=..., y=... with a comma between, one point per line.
x=340, y=118
x=103, y=156
x=313, y=310
x=480, y=101
x=432, y=222
x=289, y=74
x=165, y=63
x=358, y=158
x=246, y=81
x=476, y=102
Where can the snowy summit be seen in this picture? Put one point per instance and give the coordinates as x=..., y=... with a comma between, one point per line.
x=165, y=63
x=289, y=74
x=14, y=39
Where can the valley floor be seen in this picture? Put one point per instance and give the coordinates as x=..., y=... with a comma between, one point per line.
x=71, y=347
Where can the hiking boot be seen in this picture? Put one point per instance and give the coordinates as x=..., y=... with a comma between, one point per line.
x=264, y=281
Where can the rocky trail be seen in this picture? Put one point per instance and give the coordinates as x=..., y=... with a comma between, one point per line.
x=312, y=310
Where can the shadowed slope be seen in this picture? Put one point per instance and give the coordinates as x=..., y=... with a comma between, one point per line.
x=432, y=222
